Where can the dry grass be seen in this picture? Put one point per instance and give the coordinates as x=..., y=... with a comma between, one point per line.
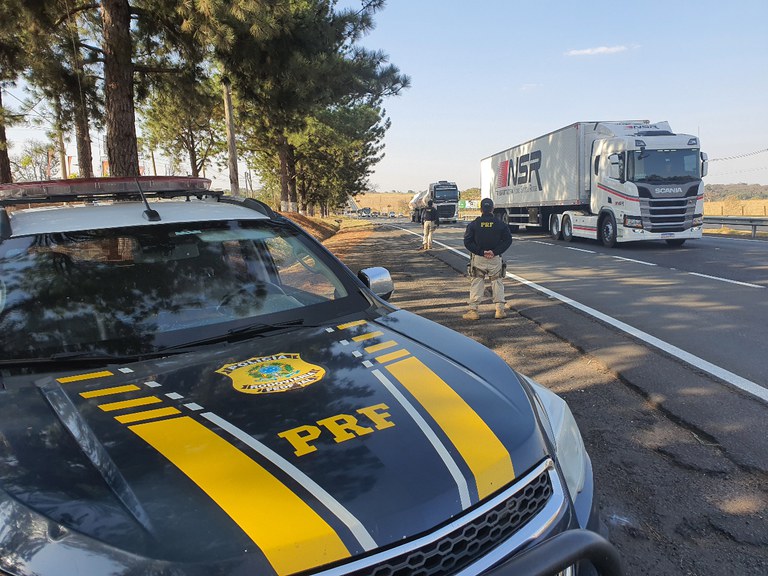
x=385, y=201
x=736, y=207
x=320, y=228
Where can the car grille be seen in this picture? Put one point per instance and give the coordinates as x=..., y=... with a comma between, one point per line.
x=475, y=536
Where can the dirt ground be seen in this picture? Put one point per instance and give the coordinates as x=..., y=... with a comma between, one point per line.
x=672, y=501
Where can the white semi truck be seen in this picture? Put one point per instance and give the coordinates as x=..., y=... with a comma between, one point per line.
x=444, y=196
x=609, y=181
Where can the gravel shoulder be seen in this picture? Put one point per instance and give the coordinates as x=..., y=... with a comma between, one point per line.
x=675, y=498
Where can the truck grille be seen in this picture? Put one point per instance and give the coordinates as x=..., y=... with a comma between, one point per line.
x=476, y=535
x=446, y=211
x=667, y=214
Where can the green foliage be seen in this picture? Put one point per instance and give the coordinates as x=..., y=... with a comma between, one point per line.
x=36, y=162
x=185, y=116
x=308, y=98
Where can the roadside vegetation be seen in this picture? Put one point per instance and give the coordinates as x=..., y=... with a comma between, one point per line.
x=157, y=75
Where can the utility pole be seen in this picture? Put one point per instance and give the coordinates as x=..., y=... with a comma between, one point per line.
x=231, y=147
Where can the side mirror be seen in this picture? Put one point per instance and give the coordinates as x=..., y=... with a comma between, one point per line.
x=378, y=280
x=704, y=164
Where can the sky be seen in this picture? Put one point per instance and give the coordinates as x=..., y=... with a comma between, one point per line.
x=487, y=75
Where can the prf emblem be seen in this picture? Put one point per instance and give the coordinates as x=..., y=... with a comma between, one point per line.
x=275, y=373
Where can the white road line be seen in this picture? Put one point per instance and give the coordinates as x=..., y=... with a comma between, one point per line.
x=635, y=261
x=725, y=375
x=540, y=242
x=580, y=250
x=726, y=280
x=695, y=361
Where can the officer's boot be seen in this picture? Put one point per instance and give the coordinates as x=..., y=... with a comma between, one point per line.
x=500, y=312
x=471, y=315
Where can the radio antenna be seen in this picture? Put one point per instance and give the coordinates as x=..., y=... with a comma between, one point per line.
x=149, y=213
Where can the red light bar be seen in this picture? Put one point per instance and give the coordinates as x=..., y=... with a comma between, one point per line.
x=76, y=187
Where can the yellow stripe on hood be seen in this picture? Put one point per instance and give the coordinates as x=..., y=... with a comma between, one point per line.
x=291, y=535
x=481, y=449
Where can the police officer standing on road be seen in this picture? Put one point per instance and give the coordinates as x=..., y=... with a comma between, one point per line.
x=431, y=221
x=487, y=239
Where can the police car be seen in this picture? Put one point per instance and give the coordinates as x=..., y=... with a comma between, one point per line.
x=190, y=384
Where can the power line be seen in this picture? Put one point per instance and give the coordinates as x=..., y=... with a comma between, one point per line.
x=739, y=155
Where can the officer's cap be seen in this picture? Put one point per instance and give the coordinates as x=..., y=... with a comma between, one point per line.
x=486, y=205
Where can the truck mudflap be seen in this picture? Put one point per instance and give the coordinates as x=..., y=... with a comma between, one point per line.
x=554, y=555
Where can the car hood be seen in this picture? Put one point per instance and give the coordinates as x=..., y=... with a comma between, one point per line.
x=278, y=454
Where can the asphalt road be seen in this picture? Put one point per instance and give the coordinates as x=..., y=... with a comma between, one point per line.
x=708, y=298
x=680, y=458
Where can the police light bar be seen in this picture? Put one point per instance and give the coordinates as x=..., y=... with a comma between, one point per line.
x=100, y=187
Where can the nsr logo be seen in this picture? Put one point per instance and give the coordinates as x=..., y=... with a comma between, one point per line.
x=520, y=170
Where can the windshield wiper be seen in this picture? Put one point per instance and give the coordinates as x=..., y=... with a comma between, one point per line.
x=72, y=358
x=237, y=334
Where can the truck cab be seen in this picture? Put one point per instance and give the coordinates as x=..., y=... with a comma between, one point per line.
x=647, y=184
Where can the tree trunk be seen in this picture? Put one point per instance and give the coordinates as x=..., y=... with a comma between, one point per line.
x=83, y=138
x=120, y=117
x=282, y=151
x=229, y=118
x=291, y=165
x=301, y=192
x=5, y=162
x=62, y=154
x=193, y=161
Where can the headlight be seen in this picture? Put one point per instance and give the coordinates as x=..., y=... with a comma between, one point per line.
x=633, y=221
x=698, y=220
x=564, y=434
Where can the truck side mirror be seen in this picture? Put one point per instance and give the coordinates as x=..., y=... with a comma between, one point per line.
x=704, y=164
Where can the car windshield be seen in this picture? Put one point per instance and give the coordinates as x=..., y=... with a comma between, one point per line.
x=137, y=290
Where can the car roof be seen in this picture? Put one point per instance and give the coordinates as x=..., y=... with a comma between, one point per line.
x=69, y=205
x=54, y=219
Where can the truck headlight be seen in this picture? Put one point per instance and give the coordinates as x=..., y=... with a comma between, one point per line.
x=562, y=430
x=698, y=220
x=633, y=221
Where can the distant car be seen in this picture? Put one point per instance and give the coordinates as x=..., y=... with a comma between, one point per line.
x=392, y=215
x=191, y=384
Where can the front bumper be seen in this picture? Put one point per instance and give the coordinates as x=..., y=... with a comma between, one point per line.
x=495, y=534
x=555, y=555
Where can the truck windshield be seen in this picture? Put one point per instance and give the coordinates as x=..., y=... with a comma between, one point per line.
x=663, y=165
x=447, y=194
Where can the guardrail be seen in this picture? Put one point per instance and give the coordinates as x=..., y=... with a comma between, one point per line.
x=752, y=221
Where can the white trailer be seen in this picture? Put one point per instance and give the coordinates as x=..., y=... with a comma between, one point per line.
x=444, y=196
x=609, y=181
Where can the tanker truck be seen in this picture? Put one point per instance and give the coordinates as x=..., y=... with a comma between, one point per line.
x=444, y=196
x=609, y=181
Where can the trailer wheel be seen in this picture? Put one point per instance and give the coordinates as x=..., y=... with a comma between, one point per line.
x=608, y=230
x=567, y=232
x=554, y=227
